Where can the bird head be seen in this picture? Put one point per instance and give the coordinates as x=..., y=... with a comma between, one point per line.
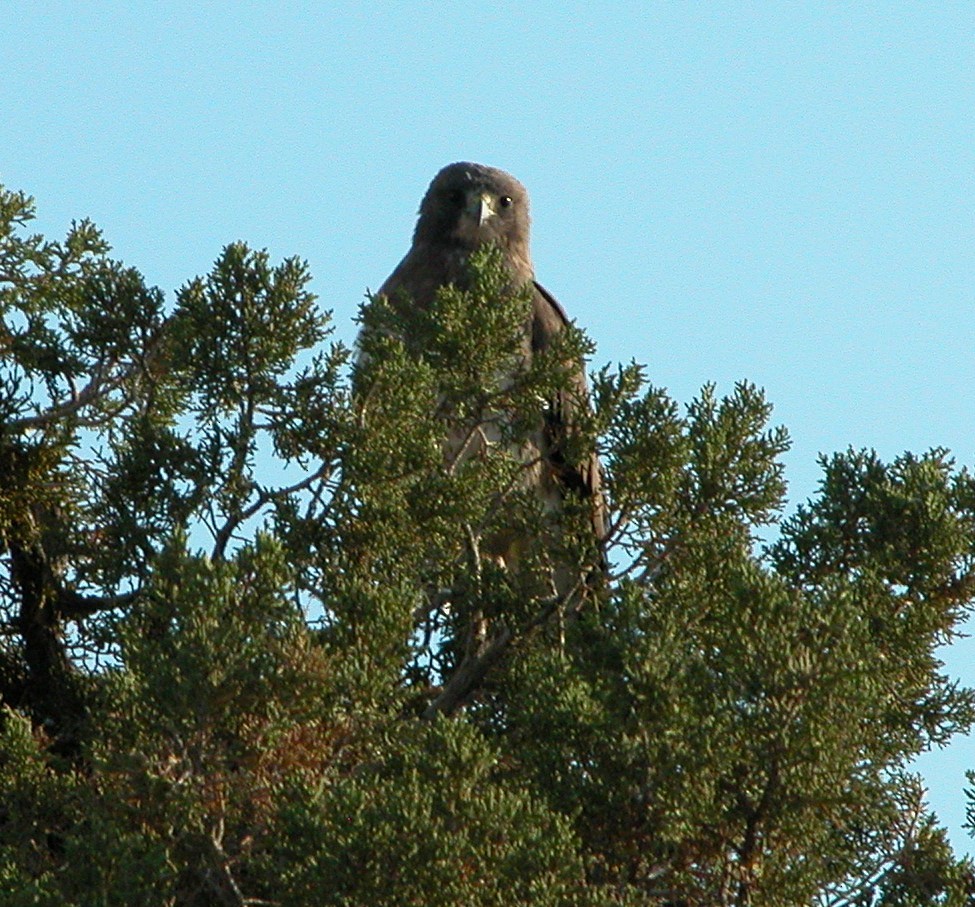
x=470, y=205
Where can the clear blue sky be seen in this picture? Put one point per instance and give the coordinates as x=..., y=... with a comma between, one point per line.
x=774, y=191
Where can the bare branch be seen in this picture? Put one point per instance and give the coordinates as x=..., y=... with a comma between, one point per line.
x=90, y=392
x=469, y=675
x=73, y=605
x=224, y=533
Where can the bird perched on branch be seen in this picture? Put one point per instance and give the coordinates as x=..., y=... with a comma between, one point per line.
x=467, y=207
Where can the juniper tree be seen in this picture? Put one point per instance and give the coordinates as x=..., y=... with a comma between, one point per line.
x=254, y=651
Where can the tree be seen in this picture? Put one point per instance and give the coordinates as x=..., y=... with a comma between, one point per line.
x=255, y=653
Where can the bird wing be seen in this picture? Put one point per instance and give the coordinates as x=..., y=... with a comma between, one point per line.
x=585, y=479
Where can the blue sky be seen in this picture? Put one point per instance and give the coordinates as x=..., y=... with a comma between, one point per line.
x=774, y=191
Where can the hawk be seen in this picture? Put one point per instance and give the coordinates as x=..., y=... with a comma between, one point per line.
x=466, y=207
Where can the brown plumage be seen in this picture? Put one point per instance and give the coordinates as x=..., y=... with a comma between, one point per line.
x=468, y=206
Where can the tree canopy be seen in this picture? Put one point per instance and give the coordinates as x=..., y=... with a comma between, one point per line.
x=252, y=651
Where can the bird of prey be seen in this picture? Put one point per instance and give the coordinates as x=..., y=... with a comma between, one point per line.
x=466, y=207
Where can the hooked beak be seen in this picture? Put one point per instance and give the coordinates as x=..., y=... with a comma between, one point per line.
x=481, y=208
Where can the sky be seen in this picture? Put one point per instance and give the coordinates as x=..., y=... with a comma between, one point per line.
x=771, y=191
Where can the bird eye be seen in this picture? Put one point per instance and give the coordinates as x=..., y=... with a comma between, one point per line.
x=505, y=201
x=457, y=197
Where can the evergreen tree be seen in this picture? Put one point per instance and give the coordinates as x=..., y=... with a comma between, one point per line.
x=254, y=651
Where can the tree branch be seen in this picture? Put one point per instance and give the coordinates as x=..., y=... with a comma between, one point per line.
x=90, y=392
x=469, y=675
x=222, y=536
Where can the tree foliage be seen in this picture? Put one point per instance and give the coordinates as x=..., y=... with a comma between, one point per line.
x=256, y=650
